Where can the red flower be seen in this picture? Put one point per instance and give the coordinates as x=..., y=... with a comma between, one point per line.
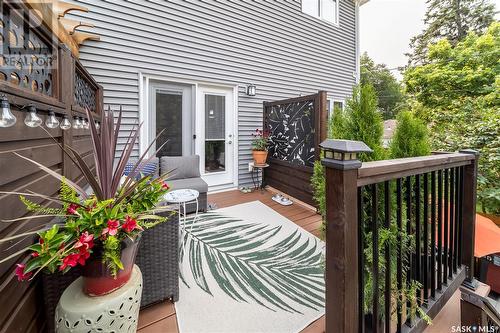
x=85, y=241
x=21, y=276
x=70, y=260
x=130, y=224
x=72, y=209
x=112, y=228
x=35, y=254
x=84, y=254
x=165, y=186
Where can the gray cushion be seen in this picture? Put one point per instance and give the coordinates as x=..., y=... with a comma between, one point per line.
x=197, y=184
x=180, y=167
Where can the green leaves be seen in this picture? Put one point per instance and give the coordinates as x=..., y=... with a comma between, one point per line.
x=248, y=263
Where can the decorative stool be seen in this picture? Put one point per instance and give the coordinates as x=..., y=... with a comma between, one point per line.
x=113, y=313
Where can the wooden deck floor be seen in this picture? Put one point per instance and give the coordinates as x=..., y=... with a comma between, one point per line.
x=161, y=318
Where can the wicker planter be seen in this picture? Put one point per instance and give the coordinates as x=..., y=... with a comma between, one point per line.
x=98, y=279
x=259, y=157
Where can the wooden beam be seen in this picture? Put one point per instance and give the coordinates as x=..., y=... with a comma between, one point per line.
x=71, y=25
x=81, y=37
x=45, y=11
x=62, y=8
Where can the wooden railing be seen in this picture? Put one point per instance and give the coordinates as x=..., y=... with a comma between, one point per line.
x=399, y=239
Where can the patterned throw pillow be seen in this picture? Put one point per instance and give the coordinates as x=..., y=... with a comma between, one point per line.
x=145, y=169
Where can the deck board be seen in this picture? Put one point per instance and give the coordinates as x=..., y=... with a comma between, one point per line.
x=162, y=318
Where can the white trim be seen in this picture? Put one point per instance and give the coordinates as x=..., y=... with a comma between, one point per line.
x=357, y=75
x=332, y=101
x=318, y=17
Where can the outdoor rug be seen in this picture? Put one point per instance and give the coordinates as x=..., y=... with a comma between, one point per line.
x=246, y=268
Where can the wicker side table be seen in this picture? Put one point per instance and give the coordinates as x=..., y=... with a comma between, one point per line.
x=112, y=313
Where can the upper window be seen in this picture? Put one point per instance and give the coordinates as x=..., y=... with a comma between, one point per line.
x=327, y=10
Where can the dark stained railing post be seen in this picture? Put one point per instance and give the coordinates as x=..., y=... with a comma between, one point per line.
x=342, y=252
x=469, y=188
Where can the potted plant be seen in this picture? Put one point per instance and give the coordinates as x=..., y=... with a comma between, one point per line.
x=99, y=231
x=260, y=143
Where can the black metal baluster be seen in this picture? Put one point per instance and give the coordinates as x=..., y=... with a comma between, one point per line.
x=446, y=223
x=452, y=222
x=399, y=274
x=387, y=225
x=460, y=221
x=376, y=302
x=433, y=234
x=409, y=272
x=456, y=227
x=426, y=238
x=361, y=266
x=440, y=232
x=418, y=238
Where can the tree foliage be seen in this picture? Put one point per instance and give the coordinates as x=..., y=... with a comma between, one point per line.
x=458, y=94
x=450, y=20
x=389, y=90
x=410, y=137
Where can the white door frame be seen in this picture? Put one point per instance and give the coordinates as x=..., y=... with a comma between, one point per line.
x=144, y=83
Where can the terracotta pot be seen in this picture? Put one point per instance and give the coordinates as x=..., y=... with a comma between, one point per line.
x=259, y=157
x=98, y=279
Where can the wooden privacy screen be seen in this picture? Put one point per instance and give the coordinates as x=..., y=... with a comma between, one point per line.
x=297, y=126
x=66, y=88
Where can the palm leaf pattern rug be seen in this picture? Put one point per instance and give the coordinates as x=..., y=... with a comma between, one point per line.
x=247, y=268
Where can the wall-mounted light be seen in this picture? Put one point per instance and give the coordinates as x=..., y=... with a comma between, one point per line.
x=51, y=121
x=7, y=119
x=97, y=126
x=251, y=90
x=65, y=123
x=32, y=119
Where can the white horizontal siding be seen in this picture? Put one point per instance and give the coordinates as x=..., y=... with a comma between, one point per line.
x=271, y=44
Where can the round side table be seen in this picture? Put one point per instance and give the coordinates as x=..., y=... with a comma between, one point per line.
x=116, y=312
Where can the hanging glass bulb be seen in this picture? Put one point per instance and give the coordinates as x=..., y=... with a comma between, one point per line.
x=32, y=119
x=76, y=123
x=85, y=124
x=65, y=123
x=97, y=126
x=7, y=119
x=51, y=121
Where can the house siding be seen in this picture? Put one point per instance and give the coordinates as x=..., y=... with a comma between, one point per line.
x=271, y=44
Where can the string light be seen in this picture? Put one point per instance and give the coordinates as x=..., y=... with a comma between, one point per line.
x=32, y=119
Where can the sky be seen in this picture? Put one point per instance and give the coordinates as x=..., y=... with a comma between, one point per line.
x=386, y=27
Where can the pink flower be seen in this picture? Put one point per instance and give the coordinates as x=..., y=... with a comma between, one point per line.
x=112, y=228
x=35, y=254
x=130, y=225
x=21, y=276
x=85, y=241
x=84, y=254
x=72, y=209
x=70, y=260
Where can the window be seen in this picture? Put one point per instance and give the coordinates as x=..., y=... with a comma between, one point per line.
x=323, y=9
x=334, y=105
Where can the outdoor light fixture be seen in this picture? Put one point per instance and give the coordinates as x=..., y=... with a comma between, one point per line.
x=51, y=121
x=85, y=124
x=32, y=119
x=251, y=89
x=343, y=150
x=65, y=123
x=77, y=124
x=7, y=119
x=97, y=126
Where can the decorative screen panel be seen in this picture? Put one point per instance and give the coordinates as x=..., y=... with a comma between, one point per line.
x=26, y=59
x=292, y=132
x=85, y=93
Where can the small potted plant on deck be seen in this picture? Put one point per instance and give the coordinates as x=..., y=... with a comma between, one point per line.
x=260, y=144
x=99, y=231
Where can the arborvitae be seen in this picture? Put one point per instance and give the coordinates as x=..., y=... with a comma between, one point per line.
x=410, y=138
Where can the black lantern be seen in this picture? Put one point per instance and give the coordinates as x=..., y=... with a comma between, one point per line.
x=251, y=90
x=343, y=150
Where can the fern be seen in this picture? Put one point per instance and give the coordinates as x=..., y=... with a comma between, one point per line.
x=39, y=209
x=67, y=193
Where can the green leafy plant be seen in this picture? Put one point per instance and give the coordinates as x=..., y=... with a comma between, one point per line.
x=120, y=206
x=410, y=137
x=260, y=140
